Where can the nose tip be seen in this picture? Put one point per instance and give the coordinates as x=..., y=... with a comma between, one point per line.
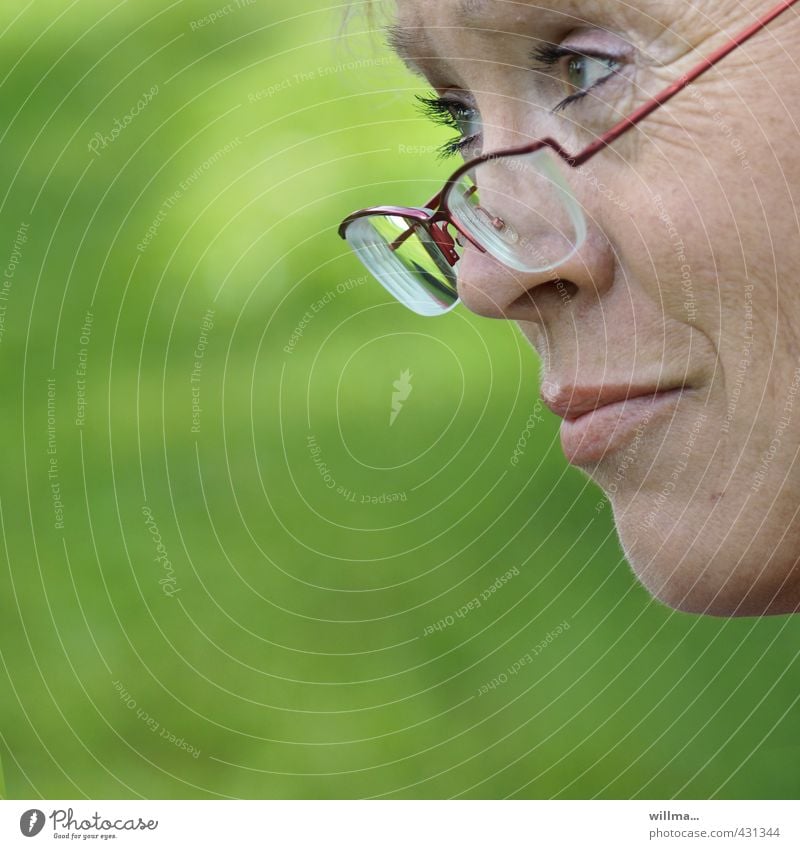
x=486, y=286
x=492, y=289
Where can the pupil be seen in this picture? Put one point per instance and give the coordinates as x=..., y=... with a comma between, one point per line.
x=575, y=69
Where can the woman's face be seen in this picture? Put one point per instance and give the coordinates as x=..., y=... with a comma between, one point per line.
x=686, y=291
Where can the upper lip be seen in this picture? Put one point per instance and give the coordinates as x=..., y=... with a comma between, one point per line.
x=570, y=402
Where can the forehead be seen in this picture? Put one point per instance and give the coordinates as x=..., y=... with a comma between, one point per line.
x=479, y=13
x=420, y=25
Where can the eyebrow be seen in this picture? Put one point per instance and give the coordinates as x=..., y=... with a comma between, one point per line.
x=407, y=42
x=410, y=42
x=471, y=12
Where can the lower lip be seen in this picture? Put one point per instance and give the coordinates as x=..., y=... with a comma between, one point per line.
x=592, y=436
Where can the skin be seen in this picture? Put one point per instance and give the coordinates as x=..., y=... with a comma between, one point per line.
x=707, y=500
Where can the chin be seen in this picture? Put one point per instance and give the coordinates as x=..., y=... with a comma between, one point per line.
x=706, y=574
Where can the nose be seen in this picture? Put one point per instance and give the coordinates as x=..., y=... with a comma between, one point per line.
x=489, y=288
x=527, y=211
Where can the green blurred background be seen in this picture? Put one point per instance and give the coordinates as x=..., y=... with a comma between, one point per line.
x=237, y=377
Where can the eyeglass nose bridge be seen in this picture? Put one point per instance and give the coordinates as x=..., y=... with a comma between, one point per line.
x=444, y=241
x=436, y=227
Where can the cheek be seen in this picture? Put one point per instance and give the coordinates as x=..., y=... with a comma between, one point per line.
x=690, y=240
x=714, y=209
x=727, y=252
x=714, y=245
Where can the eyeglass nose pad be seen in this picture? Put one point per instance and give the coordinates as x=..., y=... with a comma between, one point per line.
x=500, y=226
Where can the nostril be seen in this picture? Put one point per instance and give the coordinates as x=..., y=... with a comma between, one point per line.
x=545, y=296
x=565, y=289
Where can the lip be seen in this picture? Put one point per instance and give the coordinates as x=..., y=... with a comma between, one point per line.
x=598, y=420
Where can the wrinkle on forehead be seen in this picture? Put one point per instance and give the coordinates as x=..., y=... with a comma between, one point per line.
x=661, y=29
x=409, y=34
x=419, y=26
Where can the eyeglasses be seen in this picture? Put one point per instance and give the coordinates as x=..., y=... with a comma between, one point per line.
x=414, y=251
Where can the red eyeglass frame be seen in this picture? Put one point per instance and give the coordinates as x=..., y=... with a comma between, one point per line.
x=436, y=210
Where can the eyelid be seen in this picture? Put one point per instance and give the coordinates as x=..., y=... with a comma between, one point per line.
x=577, y=95
x=550, y=55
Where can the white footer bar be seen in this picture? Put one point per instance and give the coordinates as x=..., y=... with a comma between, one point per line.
x=402, y=824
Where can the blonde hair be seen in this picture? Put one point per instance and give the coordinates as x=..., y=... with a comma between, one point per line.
x=366, y=8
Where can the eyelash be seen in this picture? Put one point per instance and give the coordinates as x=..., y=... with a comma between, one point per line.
x=441, y=110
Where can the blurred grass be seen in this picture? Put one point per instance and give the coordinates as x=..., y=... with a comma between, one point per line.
x=293, y=656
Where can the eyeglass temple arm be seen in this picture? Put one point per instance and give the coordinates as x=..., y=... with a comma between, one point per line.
x=690, y=76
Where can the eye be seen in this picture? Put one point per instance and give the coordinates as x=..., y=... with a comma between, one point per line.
x=580, y=71
x=585, y=72
x=459, y=116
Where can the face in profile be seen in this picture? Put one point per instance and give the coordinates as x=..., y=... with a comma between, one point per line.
x=669, y=336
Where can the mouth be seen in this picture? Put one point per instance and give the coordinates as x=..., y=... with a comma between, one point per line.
x=596, y=423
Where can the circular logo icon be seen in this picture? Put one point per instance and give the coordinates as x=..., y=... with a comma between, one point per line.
x=31, y=822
